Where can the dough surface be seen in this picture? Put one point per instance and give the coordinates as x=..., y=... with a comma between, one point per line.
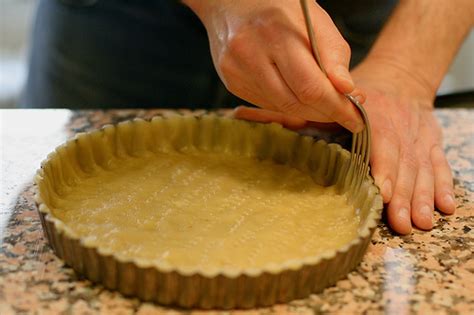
x=206, y=210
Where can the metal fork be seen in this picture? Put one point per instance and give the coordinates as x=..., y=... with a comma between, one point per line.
x=361, y=141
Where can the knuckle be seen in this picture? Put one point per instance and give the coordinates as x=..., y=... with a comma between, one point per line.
x=343, y=47
x=309, y=93
x=339, y=47
x=225, y=66
x=238, y=45
x=291, y=108
x=422, y=154
x=438, y=157
x=270, y=31
x=426, y=165
x=270, y=23
x=405, y=191
x=410, y=161
x=424, y=195
x=441, y=168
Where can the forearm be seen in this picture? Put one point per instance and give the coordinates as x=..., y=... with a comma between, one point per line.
x=422, y=37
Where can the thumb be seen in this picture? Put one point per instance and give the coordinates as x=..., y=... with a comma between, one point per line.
x=266, y=116
x=340, y=78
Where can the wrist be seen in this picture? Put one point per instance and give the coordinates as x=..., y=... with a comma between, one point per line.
x=395, y=77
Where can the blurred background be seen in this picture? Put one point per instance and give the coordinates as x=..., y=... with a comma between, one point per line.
x=16, y=17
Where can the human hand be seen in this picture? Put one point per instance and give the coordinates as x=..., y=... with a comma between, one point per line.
x=262, y=54
x=407, y=160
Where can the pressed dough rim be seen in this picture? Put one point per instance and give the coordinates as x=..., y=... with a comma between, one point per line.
x=272, y=268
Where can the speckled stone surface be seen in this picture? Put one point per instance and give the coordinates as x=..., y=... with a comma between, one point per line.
x=425, y=272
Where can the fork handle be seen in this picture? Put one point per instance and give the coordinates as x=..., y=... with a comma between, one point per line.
x=312, y=36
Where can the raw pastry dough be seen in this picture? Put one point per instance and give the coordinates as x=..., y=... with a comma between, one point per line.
x=207, y=210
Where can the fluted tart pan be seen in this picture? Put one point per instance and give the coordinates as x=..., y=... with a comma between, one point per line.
x=86, y=153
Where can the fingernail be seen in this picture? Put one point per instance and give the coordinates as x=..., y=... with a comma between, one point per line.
x=450, y=200
x=343, y=73
x=404, y=214
x=427, y=213
x=359, y=98
x=354, y=126
x=387, y=189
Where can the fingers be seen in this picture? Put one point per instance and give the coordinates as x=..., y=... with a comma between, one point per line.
x=266, y=116
x=399, y=208
x=313, y=90
x=263, y=88
x=443, y=181
x=396, y=170
x=251, y=74
x=247, y=71
x=273, y=87
x=423, y=196
x=385, y=159
x=434, y=182
x=433, y=171
x=270, y=63
x=424, y=179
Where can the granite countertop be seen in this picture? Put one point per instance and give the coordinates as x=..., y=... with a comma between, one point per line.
x=425, y=272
